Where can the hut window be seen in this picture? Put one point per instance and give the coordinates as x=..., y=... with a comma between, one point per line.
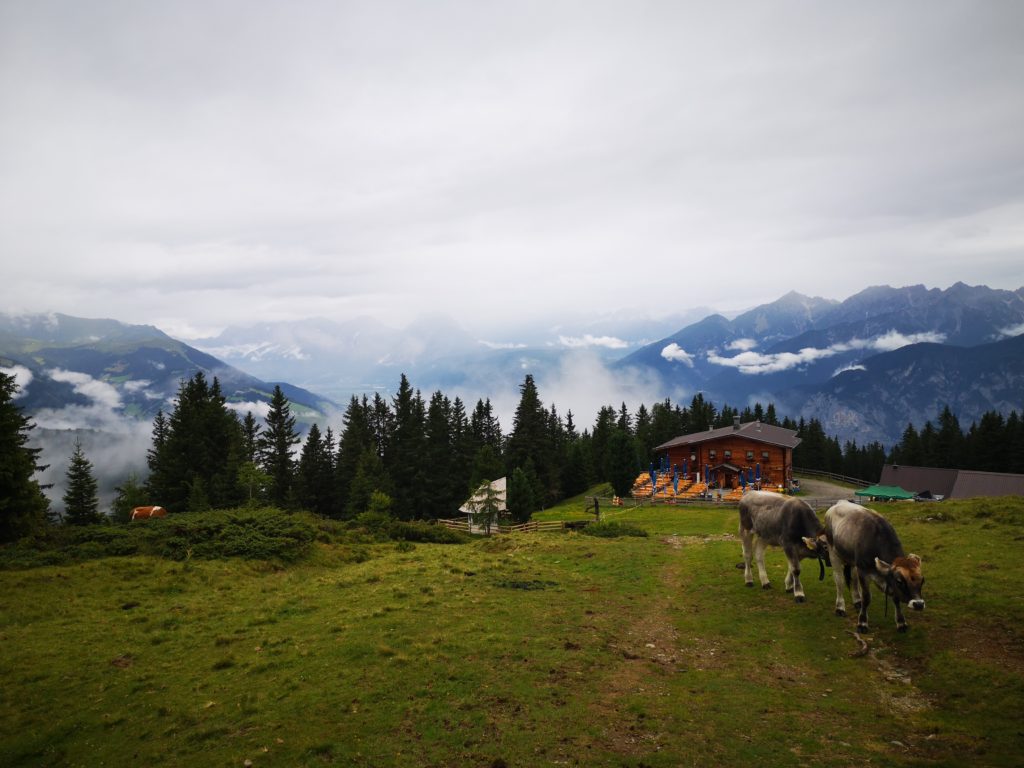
x=750, y=455
x=711, y=454
x=764, y=455
x=727, y=454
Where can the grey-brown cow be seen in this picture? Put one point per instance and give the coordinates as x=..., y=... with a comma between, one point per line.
x=768, y=518
x=866, y=546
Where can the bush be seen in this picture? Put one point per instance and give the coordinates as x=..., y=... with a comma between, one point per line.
x=260, y=534
x=424, y=532
x=613, y=530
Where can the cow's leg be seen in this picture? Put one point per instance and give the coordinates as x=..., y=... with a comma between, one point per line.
x=864, y=585
x=789, y=573
x=747, y=539
x=840, y=580
x=901, y=622
x=794, y=575
x=855, y=590
x=762, y=572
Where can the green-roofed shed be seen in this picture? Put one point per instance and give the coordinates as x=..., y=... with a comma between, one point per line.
x=885, y=493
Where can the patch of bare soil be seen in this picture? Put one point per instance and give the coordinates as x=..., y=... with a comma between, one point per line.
x=646, y=653
x=995, y=644
x=678, y=542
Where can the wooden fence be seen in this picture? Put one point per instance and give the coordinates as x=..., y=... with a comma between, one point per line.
x=533, y=526
x=831, y=476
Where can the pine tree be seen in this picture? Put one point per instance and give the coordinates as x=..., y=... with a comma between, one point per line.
x=129, y=494
x=356, y=438
x=250, y=438
x=23, y=507
x=275, y=444
x=520, y=499
x=314, y=473
x=529, y=438
x=200, y=440
x=622, y=466
x=81, y=502
x=405, y=459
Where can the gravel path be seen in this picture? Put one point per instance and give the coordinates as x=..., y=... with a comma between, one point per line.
x=818, y=492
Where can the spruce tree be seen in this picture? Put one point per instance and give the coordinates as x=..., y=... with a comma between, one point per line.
x=81, y=502
x=23, y=507
x=622, y=466
x=275, y=445
x=131, y=493
x=520, y=499
x=405, y=460
x=356, y=438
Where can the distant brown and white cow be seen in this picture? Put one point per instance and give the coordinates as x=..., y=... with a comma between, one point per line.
x=768, y=518
x=143, y=513
x=867, y=547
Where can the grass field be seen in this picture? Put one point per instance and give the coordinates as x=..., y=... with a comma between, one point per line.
x=534, y=649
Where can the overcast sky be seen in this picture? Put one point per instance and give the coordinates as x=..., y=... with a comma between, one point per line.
x=199, y=164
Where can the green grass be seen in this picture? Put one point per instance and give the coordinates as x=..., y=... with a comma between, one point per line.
x=535, y=649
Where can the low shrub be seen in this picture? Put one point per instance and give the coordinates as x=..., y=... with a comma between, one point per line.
x=260, y=534
x=613, y=530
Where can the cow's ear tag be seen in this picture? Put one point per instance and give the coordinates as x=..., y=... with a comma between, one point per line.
x=810, y=543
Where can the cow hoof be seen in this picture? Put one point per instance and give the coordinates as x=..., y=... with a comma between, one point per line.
x=840, y=612
x=788, y=590
x=901, y=627
x=749, y=584
x=856, y=604
x=863, y=628
x=800, y=598
x=766, y=586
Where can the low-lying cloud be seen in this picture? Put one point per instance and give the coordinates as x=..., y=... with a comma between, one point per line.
x=741, y=345
x=22, y=378
x=1011, y=331
x=587, y=341
x=753, y=363
x=676, y=354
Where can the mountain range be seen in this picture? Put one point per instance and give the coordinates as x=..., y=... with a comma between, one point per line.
x=865, y=366
x=68, y=362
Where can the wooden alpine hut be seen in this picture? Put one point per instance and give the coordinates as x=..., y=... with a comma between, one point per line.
x=763, y=453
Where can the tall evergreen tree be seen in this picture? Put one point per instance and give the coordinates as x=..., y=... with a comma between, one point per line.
x=131, y=493
x=529, y=440
x=81, y=499
x=356, y=438
x=315, y=473
x=250, y=438
x=520, y=499
x=276, y=444
x=622, y=466
x=200, y=440
x=23, y=506
x=405, y=460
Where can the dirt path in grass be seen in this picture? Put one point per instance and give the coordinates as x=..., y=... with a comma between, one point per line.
x=647, y=656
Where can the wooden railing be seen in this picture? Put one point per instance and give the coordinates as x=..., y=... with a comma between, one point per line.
x=533, y=526
x=831, y=476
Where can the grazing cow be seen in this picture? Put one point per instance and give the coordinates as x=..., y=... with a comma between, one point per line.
x=143, y=513
x=785, y=522
x=866, y=544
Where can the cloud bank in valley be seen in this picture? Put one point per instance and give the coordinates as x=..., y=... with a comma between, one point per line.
x=753, y=363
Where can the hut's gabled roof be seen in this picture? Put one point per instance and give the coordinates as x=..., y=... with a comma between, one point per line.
x=752, y=430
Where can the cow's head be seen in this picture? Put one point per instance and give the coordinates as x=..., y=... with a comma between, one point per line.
x=818, y=546
x=904, y=579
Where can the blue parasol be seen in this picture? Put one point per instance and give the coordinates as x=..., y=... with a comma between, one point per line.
x=743, y=481
x=675, y=480
x=706, y=475
x=757, y=471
